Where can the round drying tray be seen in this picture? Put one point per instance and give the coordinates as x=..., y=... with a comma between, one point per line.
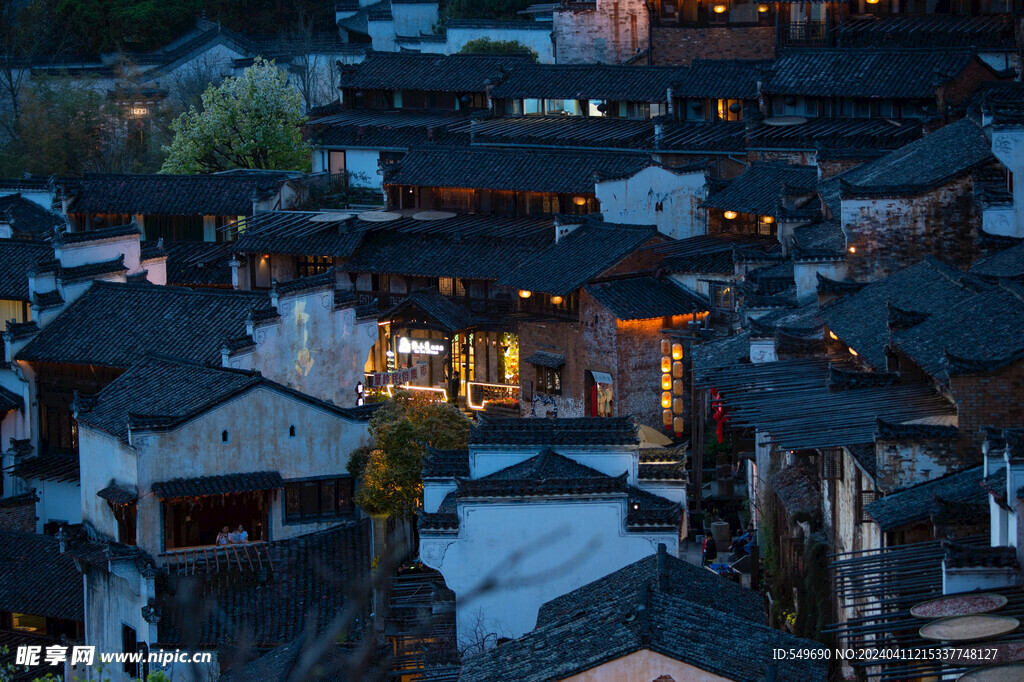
x=379, y=216
x=1002, y=672
x=332, y=217
x=958, y=605
x=433, y=215
x=973, y=628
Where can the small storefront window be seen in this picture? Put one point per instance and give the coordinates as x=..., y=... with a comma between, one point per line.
x=549, y=380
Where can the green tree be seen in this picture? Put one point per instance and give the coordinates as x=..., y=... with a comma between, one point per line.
x=488, y=46
x=248, y=122
x=402, y=429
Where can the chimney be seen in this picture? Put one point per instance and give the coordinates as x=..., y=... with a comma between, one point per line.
x=662, y=567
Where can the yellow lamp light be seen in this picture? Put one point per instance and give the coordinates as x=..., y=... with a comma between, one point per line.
x=762, y=8
x=730, y=215
x=677, y=406
x=666, y=418
x=666, y=364
x=832, y=335
x=853, y=352
x=720, y=9
x=523, y=293
x=677, y=351
x=853, y=249
x=767, y=219
x=872, y=2
x=666, y=347
x=677, y=386
x=579, y=201
x=666, y=400
x=666, y=382
x=677, y=370
x=556, y=300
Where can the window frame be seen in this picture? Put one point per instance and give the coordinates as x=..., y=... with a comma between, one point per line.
x=343, y=503
x=549, y=380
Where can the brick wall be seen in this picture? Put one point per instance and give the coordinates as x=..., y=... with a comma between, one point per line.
x=19, y=513
x=902, y=464
x=679, y=45
x=992, y=399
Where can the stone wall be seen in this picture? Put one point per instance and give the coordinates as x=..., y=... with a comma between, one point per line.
x=610, y=33
x=892, y=233
x=681, y=45
x=988, y=399
x=901, y=464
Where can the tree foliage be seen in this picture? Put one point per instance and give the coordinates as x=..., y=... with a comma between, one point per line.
x=402, y=429
x=488, y=46
x=486, y=9
x=252, y=121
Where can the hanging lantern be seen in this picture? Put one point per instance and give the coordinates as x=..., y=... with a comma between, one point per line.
x=677, y=351
x=666, y=400
x=556, y=300
x=666, y=364
x=762, y=8
x=677, y=370
x=523, y=293
x=720, y=9
x=665, y=346
x=677, y=426
x=872, y=2
x=666, y=418
x=677, y=386
x=767, y=219
x=677, y=406
x=666, y=382
x=730, y=215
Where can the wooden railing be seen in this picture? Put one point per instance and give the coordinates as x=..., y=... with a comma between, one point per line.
x=242, y=556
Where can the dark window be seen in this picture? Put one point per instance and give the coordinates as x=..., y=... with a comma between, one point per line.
x=129, y=644
x=125, y=516
x=324, y=498
x=224, y=437
x=832, y=465
x=549, y=380
x=314, y=265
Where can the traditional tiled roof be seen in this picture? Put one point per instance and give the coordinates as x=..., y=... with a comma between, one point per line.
x=713, y=253
x=831, y=72
x=861, y=319
x=582, y=255
x=542, y=170
x=311, y=579
x=27, y=218
x=388, y=129
x=477, y=247
x=555, y=432
x=685, y=580
x=450, y=316
x=1004, y=102
x=921, y=501
x=724, y=78
x=548, y=473
x=126, y=230
x=959, y=555
x=1008, y=263
x=159, y=392
x=218, y=194
x=16, y=259
x=445, y=463
x=843, y=379
x=118, y=494
x=611, y=82
x=633, y=613
x=203, y=264
x=644, y=297
x=441, y=73
x=820, y=240
x=37, y=579
x=62, y=468
x=113, y=324
x=912, y=431
x=731, y=350
x=942, y=347
x=798, y=490
x=93, y=270
x=763, y=188
x=218, y=485
x=562, y=131
x=298, y=233
x=984, y=32
x=543, y=358
x=934, y=160
x=703, y=137
x=9, y=401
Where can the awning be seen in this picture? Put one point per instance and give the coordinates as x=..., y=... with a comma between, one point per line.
x=118, y=495
x=602, y=377
x=218, y=485
x=543, y=358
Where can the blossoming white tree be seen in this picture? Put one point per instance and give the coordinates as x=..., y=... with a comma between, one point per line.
x=248, y=122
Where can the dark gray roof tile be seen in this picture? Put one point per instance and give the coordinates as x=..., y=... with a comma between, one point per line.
x=555, y=432
x=644, y=297
x=720, y=78
x=763, y=188
x=612, y=82
x=217, y=485
x=921, y=501
x=440, y=73
x=218, y=194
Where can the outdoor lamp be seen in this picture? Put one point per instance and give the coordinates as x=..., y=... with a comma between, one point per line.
x=853, y=352
x=762, y=8
x=579, y=201
x=677, y=426
x=666, y=382
x=666, y=400
x=666, y=364
x=665, y=346
x=677, y=351
x=767, y=220
x=720, y=9
x=556, y=300
x=677, y=370
x=730, y=215
x=677, y=406
x=677, y=386
x=666, y=418
x=523, y=293
x=832, y=335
